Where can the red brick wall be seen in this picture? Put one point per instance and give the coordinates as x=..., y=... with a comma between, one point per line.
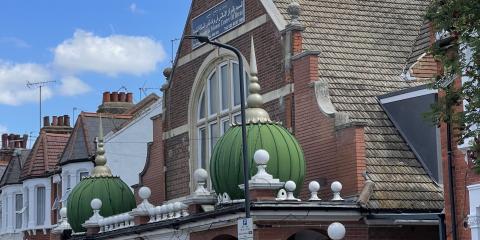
x=463, y=176
x=269, y=53
x=351, y=159
x=330, y=154
x=426, y=68
x=154, y=175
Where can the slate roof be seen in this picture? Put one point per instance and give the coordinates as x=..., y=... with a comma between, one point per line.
x=14, y=168
x=81, y=145
x=44, y=155
x=364, y=46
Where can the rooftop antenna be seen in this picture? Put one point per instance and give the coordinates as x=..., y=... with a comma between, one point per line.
x=39, y=85
x=173, y=41
x=122, y=88
x=144, y=90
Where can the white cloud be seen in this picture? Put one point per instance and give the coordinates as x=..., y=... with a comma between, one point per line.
x=3, y=129
x=17, y=42
x=72, y=86
x=112, y=55
x=135, y=9
x=13, y=80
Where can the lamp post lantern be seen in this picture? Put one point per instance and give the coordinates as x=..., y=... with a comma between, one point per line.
x=246, y=167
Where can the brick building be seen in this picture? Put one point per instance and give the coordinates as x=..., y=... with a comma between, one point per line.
x=346, y=78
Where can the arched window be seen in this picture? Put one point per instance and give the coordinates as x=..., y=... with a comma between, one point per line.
x=218, y=106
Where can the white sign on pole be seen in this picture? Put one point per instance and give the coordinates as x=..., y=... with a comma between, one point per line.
x=245, y=229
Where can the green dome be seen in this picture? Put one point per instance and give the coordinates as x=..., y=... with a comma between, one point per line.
x=115, y=195
x=286, y=157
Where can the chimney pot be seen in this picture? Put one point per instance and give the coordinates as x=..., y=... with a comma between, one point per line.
x=66, y=120
x=122, y=97
x=24, y=141
x=130, y=97
x=11, y=141
x=114, y=97
x=60, y=121
x=54, y=121
x=46, y=121
x=106, y=97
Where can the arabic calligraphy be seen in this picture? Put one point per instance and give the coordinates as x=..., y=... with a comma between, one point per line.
x=219, y=19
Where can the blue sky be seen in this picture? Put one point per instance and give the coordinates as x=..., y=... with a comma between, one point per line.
x=87, y=47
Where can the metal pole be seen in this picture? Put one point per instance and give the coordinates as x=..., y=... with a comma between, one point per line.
x=40, y=107
x=246, y=163
x=453, y=217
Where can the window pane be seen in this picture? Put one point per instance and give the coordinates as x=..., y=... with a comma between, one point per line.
x=226, y=125
x=203, y=148
x=18, y=210
x=237, y=118
x=224, y=82
x=40, y=205
x=201, y=110
x=213, y=94
x=236, y=85
x=213, y=135
x=83, y=174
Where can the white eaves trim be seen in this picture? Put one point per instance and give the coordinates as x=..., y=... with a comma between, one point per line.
x=408, y=95
x=274, y=14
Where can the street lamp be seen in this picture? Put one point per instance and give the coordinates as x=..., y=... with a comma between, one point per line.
x=246, y=167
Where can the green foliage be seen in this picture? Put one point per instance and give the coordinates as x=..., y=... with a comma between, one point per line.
x=459, y=20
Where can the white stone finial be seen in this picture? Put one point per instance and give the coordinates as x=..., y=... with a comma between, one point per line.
x=144, y=193
x=145, y=207
x=336, y=231
x=96, y=204
x=294, y=11
x=261, y=158
x=336, y=189
x=63, y=213
x=314, y=187
x=290, y=186
x=63, y=223
x=201, y=175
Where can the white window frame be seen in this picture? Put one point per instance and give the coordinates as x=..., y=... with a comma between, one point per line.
x=218, y=116
x=38, y=207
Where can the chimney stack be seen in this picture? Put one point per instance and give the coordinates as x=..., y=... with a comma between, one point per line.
x=116, y=102
x=66, y=120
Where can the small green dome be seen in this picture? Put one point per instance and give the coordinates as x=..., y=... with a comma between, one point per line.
x=286, y=157
x=115, y=195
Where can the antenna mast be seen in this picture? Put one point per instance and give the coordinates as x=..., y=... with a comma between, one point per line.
x=39, y=85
